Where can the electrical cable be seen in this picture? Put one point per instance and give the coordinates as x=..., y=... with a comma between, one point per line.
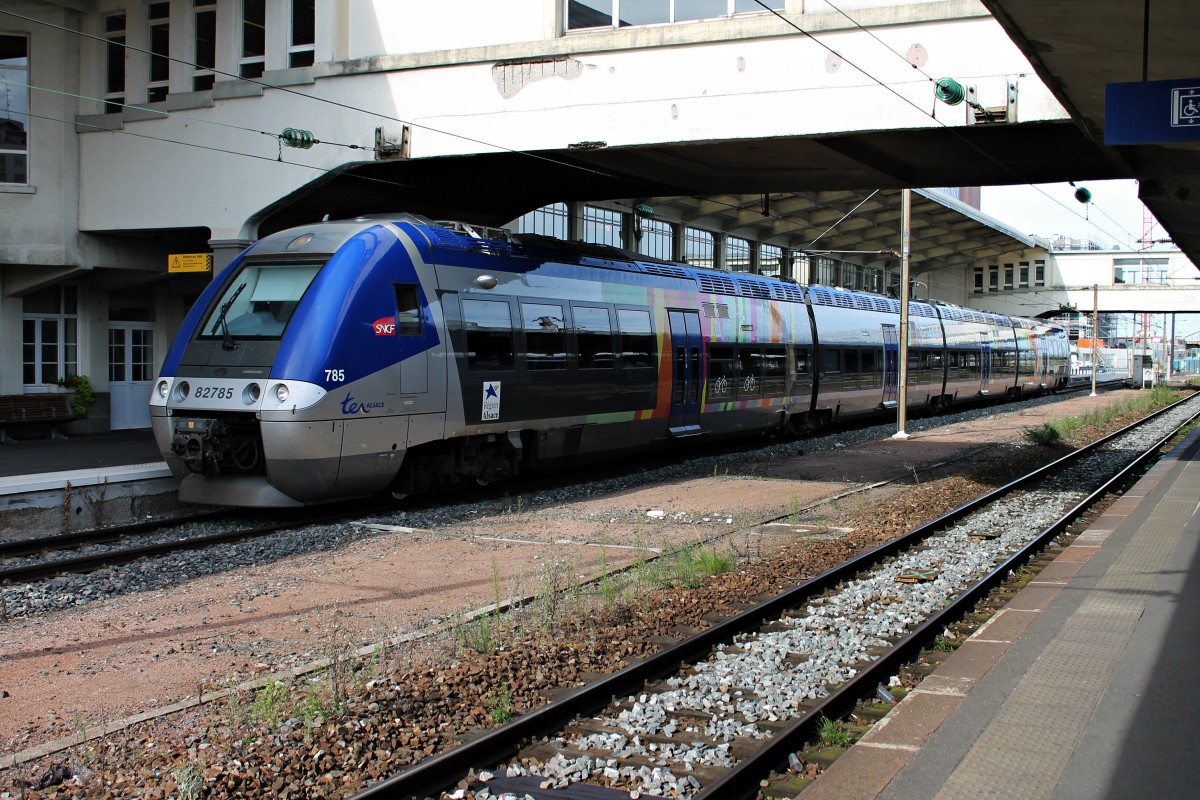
x=1022, y=179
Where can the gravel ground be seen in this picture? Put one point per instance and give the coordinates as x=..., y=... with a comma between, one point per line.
x=89, y=650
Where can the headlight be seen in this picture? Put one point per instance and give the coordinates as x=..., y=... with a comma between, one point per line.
x=251, y=394
x=282, y=392
x=163, y=388
x=182, y=390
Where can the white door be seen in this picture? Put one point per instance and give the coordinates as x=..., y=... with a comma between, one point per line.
x=130, y=373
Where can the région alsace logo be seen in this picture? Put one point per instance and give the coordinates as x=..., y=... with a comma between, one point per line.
x=491, y=401
x=385, y=326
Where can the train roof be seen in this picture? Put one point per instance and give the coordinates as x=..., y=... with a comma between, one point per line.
x=327, y=236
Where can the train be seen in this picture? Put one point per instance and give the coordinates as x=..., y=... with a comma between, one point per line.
x=393, y=353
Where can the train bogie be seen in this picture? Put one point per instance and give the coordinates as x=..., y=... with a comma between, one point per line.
x=345, y=359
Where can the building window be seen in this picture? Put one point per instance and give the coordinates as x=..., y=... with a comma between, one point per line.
x=583, y=14
x=203, y=75
x=698, y=247
x=770, y=260
x=253, y=62
x=658, y=238
x=602, y=226
x=302, y=47
x=829, y=271
x=737, y=254
x=159, y=15
x=1140, y=270
x=50, y=336
x=1009, y=271
x=548, y=220
x=993, y=279
x=1039, y=273
x=1024, y=275
x=114, y=63
x=14, y=109
x=979, y=280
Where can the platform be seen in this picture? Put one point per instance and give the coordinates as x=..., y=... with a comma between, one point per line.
x=1083, y=687
x=82, y=482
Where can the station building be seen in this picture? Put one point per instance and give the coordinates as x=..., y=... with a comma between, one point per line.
x=144, y=144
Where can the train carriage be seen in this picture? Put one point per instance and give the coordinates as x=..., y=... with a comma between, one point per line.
x=392, y=353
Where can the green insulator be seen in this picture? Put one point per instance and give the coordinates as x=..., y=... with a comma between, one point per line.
x=1083, y=195
x=949, y=91
x=294, y=137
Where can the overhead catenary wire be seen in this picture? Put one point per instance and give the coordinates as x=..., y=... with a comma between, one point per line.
x=1023, y=180
x=571, y=165
x=267, y=85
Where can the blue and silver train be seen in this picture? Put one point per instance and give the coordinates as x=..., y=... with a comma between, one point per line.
x=393, y=353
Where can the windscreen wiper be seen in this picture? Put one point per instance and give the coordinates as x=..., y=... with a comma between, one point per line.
x=228, y=343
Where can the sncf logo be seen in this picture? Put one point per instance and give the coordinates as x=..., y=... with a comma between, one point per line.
x=385, y=326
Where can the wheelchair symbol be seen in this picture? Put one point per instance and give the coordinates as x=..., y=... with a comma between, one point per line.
x=1185, y=106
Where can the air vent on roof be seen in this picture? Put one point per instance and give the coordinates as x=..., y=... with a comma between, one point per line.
x=663, y=269
x=787, y=291
x=715, y=283
x=749, y=287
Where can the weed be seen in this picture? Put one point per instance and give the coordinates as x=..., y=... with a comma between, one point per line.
x=479, y=634
x=1044, y=435
x=499, y=705
x=833, y=733
x=710, y=562
x=795, y=510
x=943, y=645
x=269, y=703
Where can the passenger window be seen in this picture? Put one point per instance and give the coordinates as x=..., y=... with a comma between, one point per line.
x=545, y=336
x=749, y=372
x=593, y=337
x=801, y=354
x=830, y=361
x=488, y=325
x=774, y=370
x=638, y=347
x=722, y=373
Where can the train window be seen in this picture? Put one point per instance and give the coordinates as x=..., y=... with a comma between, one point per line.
x=593, y=337
x=774, y=370
x=850, y=361
x=638, y=347
x=259, y=301
x=488, y=324
x=749, y=372
x=722, y=373
x=830, y=360
x=545, y=336
x=801, y=354
x=408, y=311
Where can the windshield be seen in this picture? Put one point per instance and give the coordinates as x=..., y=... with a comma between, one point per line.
x=258, y=302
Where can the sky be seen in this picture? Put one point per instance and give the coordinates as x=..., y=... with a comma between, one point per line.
x=1113, y=217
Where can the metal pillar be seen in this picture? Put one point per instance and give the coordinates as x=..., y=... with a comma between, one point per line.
x=905, y=249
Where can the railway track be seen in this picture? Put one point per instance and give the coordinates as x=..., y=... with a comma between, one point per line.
x=107, y=547
x=716, y=714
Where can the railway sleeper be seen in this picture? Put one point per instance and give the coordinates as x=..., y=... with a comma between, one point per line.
x=537, y=756
x=739, y=746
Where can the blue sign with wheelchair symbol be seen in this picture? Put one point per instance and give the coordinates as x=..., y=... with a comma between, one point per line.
x=1151, y=112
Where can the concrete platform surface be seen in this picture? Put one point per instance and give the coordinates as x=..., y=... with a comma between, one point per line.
x=1084, y=687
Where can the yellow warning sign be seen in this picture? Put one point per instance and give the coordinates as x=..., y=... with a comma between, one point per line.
x=189, y=262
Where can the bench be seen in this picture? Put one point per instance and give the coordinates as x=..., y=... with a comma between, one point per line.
x=27, y=410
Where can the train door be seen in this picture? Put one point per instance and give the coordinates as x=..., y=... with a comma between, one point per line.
x=985, y=363
x=686, y=377
x=891, y=365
